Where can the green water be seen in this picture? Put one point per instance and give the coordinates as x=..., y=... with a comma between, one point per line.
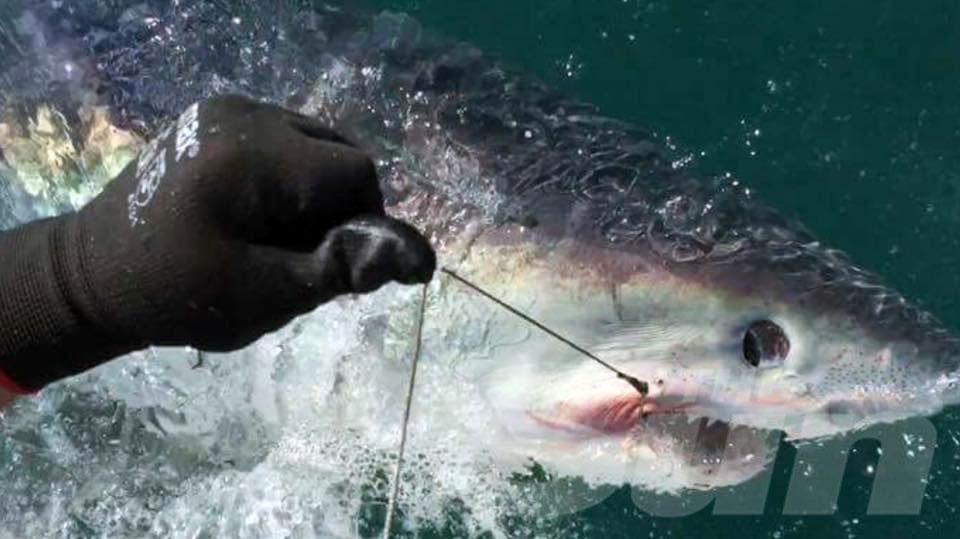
x=842, y=114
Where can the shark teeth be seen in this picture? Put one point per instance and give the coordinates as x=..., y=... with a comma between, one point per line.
x=711, y=438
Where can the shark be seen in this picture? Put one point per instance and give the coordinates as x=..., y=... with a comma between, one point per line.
x=740, y=322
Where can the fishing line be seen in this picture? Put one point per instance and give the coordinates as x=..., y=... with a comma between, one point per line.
x=642, y=387
x=392, y=503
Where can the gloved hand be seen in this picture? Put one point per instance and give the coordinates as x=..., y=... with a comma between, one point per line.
x=239, y=217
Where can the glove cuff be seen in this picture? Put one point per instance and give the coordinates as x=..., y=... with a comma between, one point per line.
x=46, y=333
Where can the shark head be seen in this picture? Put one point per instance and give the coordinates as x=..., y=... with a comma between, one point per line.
x=781, y=336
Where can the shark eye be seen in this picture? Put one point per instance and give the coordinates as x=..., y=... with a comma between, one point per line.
x=765, y=344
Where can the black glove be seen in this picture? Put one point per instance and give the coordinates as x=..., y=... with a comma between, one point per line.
x=239, y=217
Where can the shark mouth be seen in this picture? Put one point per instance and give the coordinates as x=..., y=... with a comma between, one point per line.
x=615, y=416
x=658, y=427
